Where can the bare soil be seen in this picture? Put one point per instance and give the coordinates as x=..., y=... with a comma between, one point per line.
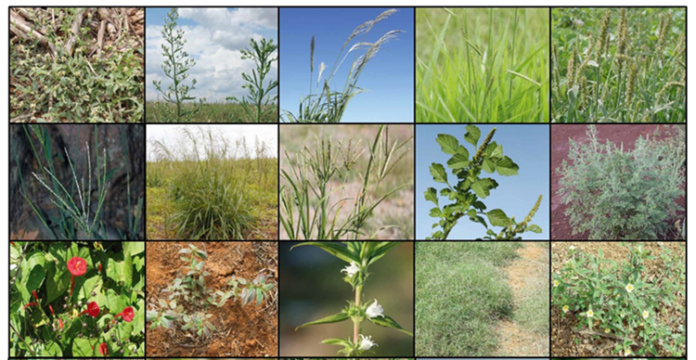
x=560, y=136
x=568, y=343
x=249, y=331
x=515, y=340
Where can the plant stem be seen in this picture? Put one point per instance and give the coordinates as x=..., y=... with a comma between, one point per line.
x=356, y=326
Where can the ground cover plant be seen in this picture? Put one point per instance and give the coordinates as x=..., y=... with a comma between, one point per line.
x=612, y=193
x=76, y=64
x=619, y=65
x=482, y=65
x=326, y=102
x=77, y=299
x=178, y=104
x=211, y=298
x=333, y=189
x=359, y=256
x=469, y=294
x=75, y=182
x=623, y=299
x=471, y=188
x=209, y=187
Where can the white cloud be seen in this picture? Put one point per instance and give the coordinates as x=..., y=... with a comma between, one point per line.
x=214, y=43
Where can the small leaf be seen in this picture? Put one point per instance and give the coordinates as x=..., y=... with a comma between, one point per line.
x=489, y=165
x=458, y=161
x=431, y=195
x=506, y=167
x=327, y=320
x=534, y=228
x=497, y=217
x=448, y=143
x=438, y=172
x=482, y=187
x=334, y=341
x=387, y=321
x=435, y=212
x=472, y=134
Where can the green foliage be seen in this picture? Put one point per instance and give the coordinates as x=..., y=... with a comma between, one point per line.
x=212, y=193
x=307, y=210
x=619, y=65
x=621, y=298
x=482, y=65
x=78, y=215
x=613, y=193
x=189, y=298
x=327, y=105
x=66, y=78
x=176, y=66
x=471, y=187
x=461, y=291
x=48, y=305
x=359, y=256
x=263, y=105
x=205, y=111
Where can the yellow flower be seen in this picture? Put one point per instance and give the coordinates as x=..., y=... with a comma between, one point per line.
x=629, y=287
x=555, y=283
x=607, y=331
x=590, y=313
x=565, y=308
x=646, y=314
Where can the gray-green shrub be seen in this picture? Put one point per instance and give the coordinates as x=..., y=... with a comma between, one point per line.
x=617, y=194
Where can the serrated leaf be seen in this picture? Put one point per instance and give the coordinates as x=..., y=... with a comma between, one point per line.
x=448, y=143
x=435, y=212
x=458, y=161
x=327, y=320
x=534, y=228
x=506, y=167
x=387, y=321
x=431, y=195
x=497, y=217
x=489, y=165
x=438, y=172
x=472, y=134
x=483, y=187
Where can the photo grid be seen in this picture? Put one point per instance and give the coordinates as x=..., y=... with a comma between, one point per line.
x=347, y=182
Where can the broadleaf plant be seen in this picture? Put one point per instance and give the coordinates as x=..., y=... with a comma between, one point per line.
x=471, y=188
x=359, y=256
x=258, y=105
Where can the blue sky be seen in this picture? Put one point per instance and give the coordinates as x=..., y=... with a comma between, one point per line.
x=214, y=38
x=388, y=77
x=526, y=145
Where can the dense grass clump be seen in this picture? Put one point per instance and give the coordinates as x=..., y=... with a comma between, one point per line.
x=619, y=65
x=210, y=192
x=482, y=65
x=461, y=290
x=208, y=112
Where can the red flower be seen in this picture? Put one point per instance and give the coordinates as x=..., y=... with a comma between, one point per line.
x=100, y=267
x=51, y=307
x=127, y=314
x=77, y=266
x=35, y=296
x=30, y=304
x=92, y=309
x=103, y=349
x=60, y=322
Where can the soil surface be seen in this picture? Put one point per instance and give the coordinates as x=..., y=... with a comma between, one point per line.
x=241, y=331
x=566, y=341
x=522, y=273
x=560, y=135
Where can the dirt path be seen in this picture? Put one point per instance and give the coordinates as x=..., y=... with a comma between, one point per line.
x=524, y=274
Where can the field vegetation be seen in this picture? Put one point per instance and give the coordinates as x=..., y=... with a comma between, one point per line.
x=482, y=65
x=207, y=187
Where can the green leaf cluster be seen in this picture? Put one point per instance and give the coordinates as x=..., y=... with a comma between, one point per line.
x=470, y=187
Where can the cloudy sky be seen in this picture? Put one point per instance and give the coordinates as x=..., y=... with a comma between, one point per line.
x=214, y=38
x=173, y=137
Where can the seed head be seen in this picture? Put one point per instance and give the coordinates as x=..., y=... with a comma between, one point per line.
x=603, y=34
x=631, y=82
x=479, y=154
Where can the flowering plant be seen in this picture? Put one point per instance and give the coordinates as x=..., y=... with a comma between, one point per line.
x=359, y=256
x=73, y=300
x=624, y=301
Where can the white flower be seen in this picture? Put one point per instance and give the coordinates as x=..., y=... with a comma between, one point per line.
x=590, y=313
x=366, y=342
x=352, y=269
x=572, y=247
x=646, y=314
x=374, y=310
x=565, y=308
x=629, y=287
x=556, y=283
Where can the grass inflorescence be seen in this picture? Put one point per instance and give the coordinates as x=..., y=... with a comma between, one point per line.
x=619, y=65
x=482, y=65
